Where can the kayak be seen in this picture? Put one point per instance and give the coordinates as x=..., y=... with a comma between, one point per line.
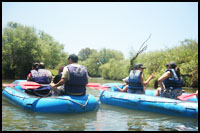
x=52, y=104
x=150, y=103
x=148, y=92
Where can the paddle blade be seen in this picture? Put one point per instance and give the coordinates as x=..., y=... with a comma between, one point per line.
x=186, y=97
x=93, y=85
x=97, y=86
x=9, y=85
x=29, y=85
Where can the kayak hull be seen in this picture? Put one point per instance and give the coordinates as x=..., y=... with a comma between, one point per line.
x=150, y=103
x=53, y=104
x=148, y=92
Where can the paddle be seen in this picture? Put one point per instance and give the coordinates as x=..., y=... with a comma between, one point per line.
x=186, y=97
x=97, y=86
x=9, y=85
x=27, y=85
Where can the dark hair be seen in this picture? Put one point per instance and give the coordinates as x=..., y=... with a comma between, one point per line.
x=156, y=84
x=73, y=57
x=177, y=70
x=35, y=65
x=60, y=69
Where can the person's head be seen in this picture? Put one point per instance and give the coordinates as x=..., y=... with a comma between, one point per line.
x=41, y=65
x=60, y=69
x=139, y=66
x=167, y=66
x=171, y=65
x=72, y=59
x=35, y=66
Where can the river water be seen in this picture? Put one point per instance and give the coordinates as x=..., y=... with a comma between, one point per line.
x=106, y=118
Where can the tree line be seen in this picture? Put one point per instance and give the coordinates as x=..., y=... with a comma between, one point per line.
x=23, y=45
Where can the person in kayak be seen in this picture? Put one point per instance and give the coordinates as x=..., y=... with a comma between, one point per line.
x=35, y=66
x=170, y=82
x=57, y=78
x=59, y=75
x=125, y=85
x=136, y=82
x=41, y=76
x=74, y=78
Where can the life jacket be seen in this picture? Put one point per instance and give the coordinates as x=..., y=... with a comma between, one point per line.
x=135, y=80
x=173, y=82
x=78, y=79
x=40, y=76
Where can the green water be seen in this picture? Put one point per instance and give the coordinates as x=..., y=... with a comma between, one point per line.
x=107, y=118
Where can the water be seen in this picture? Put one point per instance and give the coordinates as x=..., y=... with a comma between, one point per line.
x=107, y=118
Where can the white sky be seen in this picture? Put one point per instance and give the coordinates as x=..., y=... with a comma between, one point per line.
x=122, y=26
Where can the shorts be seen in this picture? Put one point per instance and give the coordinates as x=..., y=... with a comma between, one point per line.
x=136, y=91
x=61, y=91
x=171, y=93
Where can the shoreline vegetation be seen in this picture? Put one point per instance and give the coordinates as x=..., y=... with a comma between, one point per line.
x=23, y=45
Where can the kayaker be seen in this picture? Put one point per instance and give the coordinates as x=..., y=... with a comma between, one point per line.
x=124, y=89
x=74, y=78
x=48, y=73
x=35, y=66
x=136, y=82
x=41, y=76
x=170, y=82
x=57, y=78
x=59, y=75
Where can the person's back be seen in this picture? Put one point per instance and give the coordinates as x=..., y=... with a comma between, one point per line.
x=170, y=82
x=40, y=76
x=45, y=72
x=74, y=78
x=76, y=83
x=136, y=80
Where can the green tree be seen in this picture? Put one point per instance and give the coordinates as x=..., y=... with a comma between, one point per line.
x=85, y=53
x=19, y=50
x=22, y=45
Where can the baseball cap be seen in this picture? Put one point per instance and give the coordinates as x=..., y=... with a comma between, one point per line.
x=139, y=65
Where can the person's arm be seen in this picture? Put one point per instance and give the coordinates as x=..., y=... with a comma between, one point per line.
x=125, y=88
x=148, y=80
x=29, y=75
x=61, y=82
x=64, y=78
x=162, y=78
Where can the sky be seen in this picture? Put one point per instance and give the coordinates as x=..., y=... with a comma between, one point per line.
x=121, y=26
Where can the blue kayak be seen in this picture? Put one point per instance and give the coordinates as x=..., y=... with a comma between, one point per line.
x=150, y=103
x=147, y=91
x=53, y=104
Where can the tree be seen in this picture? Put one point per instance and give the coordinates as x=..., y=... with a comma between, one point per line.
x=21, y=46
x=85, y=53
